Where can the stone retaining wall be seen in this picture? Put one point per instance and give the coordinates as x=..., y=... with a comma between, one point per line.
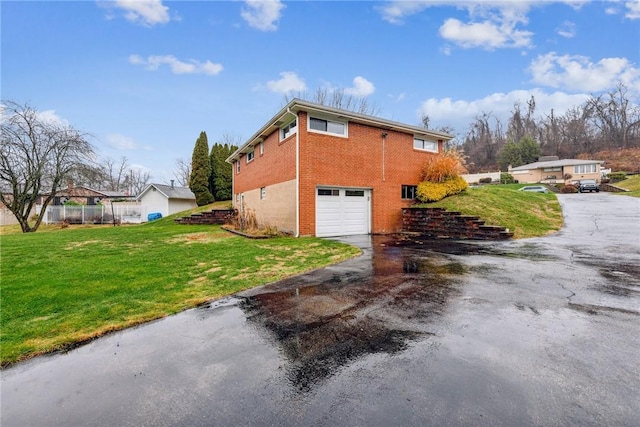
x=442, y=224
x=218, y=216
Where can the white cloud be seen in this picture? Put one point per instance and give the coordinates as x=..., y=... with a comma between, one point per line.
x=51, y=117
x=177, y=67
x=144, y=12
x=491, y=24
x=460, y=113
x=567, y=29
x=262, y=14
x=397, y=98
x=361, y=87
x=120, y=142
x=633, y=9
x=488, y=35
x=578, y=73
x=611, y=11
x=289, y=82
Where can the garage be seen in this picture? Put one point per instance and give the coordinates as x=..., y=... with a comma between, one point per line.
x=342, y=211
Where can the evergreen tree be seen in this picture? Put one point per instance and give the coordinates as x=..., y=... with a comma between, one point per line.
x=523, y=152
x=221, y=172
x=200, y=171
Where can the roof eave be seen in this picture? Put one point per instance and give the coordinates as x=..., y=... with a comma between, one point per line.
x=296, y=105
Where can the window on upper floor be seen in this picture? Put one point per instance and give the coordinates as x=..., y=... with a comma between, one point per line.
x=327, y=126
x=425, y=144
x=289, y=129
x=409, y=191
x=261, y=148
x=250, y=155
x=237, y=166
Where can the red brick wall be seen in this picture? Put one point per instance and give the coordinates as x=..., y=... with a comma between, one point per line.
x=357, y=161
x=277, y=164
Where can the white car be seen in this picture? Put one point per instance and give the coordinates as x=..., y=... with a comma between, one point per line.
x=535, y=189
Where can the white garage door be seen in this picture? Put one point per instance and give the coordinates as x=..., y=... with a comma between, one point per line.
x=342, y=211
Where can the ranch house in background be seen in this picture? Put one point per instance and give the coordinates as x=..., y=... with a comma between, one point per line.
x=551, y=170
x=87, y=196
x=321, y=171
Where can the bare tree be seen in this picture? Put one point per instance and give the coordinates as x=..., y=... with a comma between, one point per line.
x=616, y=118
x=136, y=180
x=182, y=172
x=36, y=155
x=337, y=98
x=483, y=142
x=116, y=174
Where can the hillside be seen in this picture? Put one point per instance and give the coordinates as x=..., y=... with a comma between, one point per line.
x=624, y=160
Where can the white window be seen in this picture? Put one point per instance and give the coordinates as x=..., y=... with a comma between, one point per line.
x=585, y=168
x=425, y=144
x=263, y=193
x=261, y=148
x=327, y=126
x=250, y=155
x=237, y=166
x=289, y=130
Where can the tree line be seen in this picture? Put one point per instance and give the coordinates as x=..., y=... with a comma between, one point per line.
x=606, y=122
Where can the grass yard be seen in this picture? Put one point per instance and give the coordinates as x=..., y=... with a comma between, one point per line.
x=632, y=183
x=526, y=214
x=61, y=287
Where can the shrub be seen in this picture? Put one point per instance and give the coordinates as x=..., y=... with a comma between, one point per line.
x=506, y=178
x=455, y=185
x=441, y=168
x=569, y=188
x=617, y=176
x=431, y=191
x=434, y=191
x=486, y=180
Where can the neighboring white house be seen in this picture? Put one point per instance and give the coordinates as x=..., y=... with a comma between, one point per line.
x=165, y=199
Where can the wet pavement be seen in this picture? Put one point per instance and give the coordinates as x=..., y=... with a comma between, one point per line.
x=540, y=331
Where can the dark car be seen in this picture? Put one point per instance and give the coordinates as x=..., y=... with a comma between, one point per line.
x=589, y=185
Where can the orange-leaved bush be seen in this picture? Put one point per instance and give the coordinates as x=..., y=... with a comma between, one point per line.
x=441, y=168
x=441, y=177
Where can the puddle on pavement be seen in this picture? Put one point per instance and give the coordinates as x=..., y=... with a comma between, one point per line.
x=324, y=325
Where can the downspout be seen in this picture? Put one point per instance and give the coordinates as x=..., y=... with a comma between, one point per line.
x=297, y=233
x=233, y=184
x=384, y=139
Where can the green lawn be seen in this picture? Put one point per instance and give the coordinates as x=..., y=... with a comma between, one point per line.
x=632, y=184
x=525, y=214
x=64, y=286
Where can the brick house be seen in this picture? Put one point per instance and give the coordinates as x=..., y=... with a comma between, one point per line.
x=87, y=196
x=314, y=170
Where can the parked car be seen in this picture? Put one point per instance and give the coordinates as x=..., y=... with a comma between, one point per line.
x=535, y=189
x=589, y=185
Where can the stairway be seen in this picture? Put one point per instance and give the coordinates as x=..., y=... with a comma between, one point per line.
x=217, y=216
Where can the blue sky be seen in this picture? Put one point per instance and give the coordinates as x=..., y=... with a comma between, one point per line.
x=144, y=77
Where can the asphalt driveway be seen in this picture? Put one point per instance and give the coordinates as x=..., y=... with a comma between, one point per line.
x=530, y=332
